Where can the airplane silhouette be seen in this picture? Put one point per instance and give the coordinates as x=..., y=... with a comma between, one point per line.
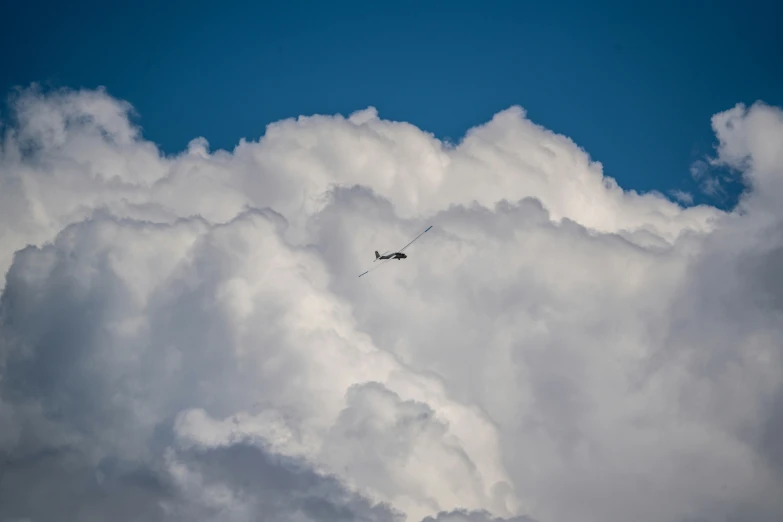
x=393, y=255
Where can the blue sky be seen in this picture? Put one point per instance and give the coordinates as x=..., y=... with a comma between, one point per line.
x=634, y=84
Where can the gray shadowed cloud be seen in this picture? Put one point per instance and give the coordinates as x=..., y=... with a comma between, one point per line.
x=236, y=482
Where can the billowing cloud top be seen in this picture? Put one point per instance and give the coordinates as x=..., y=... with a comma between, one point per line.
x=185, y=337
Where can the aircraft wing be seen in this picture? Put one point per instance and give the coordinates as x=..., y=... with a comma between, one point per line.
x=374, y=268
x=414, y=239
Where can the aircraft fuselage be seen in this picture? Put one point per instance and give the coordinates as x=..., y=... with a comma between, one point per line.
x=394, y=255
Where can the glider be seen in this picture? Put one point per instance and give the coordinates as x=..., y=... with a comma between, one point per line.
x=392, y=255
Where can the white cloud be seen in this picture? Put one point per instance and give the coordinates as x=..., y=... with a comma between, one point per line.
x=186, y=337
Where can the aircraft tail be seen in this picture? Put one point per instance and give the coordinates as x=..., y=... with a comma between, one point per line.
x=377, y=255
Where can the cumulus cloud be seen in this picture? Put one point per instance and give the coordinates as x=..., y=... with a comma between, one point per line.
x=185, y=337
